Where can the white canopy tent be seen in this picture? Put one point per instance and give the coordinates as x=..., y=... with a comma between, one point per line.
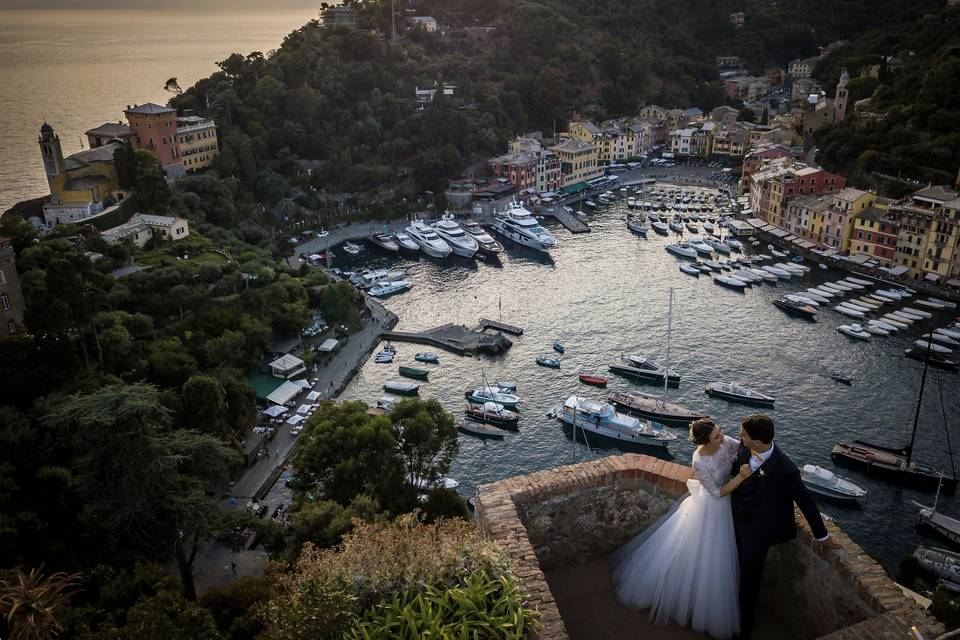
x=274, y=411
x=304, y=408
x=313, y=396
x=284, y=393
x=296, y=419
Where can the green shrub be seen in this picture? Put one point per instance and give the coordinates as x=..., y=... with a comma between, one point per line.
x=481, y=606
x=329, y=593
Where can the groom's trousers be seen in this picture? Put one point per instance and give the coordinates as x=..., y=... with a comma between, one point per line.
x=751, y=553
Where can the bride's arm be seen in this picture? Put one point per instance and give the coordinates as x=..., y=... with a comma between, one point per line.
x=711, y=487
x=735, y=481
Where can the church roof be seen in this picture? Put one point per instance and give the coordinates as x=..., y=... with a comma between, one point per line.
x=97, y=154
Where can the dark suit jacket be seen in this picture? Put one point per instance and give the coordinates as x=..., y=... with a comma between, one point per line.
x=764, y=501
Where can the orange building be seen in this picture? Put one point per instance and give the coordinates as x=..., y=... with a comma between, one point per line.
x=155, y=127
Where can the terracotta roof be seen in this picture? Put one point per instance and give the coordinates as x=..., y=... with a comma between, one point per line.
x=111, y=129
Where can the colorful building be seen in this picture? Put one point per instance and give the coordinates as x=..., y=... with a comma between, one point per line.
x=846, y=206
x=929, y=233
x=781, y=180
x=875, y=233
x=11, y=297
x=519, y=168
x=579, y=161
x=197, y=138
x=82, y=184
x=155, y=127
x=548, y=165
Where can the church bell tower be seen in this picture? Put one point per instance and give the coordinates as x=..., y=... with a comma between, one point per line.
x=51, y=152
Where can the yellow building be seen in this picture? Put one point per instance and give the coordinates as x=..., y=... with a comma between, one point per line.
x=579, y=161
x=81, y=185
x=198, y=142
x=847, y=205
x=142, y=228
x=928, y=233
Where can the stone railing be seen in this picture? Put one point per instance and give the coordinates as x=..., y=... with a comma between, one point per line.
x=581, y=513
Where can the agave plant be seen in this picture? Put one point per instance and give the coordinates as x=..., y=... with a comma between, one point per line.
x=30, y=604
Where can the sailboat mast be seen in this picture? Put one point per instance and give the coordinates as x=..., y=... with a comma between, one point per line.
x=916, y=415
x=666, y=372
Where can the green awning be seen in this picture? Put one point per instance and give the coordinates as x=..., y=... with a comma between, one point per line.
x=575, y=188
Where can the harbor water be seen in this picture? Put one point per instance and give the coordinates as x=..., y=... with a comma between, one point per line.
x=604, y=294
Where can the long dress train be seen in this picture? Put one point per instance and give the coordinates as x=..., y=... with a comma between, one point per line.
x=684, y=567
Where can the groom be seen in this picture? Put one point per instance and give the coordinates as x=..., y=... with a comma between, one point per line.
x=763, y=509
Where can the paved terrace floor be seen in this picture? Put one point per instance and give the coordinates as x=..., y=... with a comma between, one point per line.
x=585, y=598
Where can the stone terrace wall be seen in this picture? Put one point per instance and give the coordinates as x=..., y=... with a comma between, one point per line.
x=580, y=512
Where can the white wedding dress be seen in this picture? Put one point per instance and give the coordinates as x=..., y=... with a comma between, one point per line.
x=684, y=567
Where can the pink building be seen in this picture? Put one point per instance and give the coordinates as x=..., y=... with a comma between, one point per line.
x=155, y=128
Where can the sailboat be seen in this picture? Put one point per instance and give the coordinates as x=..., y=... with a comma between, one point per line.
x=896, y=465
x=656, y=407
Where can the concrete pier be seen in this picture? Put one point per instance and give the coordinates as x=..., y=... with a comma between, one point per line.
x=456, y=338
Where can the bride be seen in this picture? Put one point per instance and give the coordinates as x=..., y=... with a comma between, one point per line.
x=684, y=567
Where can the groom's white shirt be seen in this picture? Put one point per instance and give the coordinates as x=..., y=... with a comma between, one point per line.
x=757, y=459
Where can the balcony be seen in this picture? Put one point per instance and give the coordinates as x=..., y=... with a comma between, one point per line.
x=560, y=525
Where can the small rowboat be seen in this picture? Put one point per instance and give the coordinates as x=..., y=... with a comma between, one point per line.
x=544, y=361
x=594, y=379
x=414, y=372
x=481, y=430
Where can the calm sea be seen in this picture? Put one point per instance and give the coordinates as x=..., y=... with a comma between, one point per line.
x=79, y=69
x=604, y=294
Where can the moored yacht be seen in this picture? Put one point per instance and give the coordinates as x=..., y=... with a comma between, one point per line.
x=602, y=419
x=430, y=243
x=518, y=224
x=485, y=242
x=405, y=242
x=682, y=249
x=453, y=234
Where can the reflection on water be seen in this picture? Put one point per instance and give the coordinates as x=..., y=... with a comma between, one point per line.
x=604, y=294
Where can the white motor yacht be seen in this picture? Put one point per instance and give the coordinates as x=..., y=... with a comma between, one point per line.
x=929, y=345
x=849, y=311
x=700, y=246
x=405, y=242
x=484, y=240
x=824, y=482
x=766, y=275
x=722, y=247
x=430, y=243
x=389, y=288
x=516, y=223
x=369, y=278
x=682, y=249
x=885, y=325
x=854, y=331
x=461, y=243
x=780, y=273
x=602, y=419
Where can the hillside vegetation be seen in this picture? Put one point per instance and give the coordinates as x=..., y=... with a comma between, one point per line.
x=345, y=98
x=918, y=136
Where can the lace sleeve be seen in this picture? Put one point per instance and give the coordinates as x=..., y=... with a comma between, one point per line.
x=707, y=474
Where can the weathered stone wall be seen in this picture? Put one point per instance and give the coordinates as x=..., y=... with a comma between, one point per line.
x=581, y=512
x=591, y=523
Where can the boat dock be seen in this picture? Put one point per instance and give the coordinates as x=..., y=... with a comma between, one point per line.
x=568, y=220
x=500, y=326
x=456, y=338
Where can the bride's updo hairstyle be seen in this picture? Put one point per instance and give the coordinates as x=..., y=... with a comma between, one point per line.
x=701, y=429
